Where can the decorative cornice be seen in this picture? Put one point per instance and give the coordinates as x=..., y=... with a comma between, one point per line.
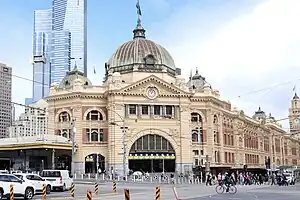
x=74, y=96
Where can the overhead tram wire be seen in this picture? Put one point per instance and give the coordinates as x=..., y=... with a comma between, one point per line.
x=26, y=79
x=268, y=88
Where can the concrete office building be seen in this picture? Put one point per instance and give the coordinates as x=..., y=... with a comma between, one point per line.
x=5, y=99
x=33, y=122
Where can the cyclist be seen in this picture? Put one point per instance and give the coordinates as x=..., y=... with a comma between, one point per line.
x=227, y=181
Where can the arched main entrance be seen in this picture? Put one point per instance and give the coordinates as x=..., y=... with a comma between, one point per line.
x=91, y=163
x=152, y=153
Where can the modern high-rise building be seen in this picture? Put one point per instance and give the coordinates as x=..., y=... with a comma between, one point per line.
x=59, y=40
x=5, y=99
x=41, y=53
x=68, y=42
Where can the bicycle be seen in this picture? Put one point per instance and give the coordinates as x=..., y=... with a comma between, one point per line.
x=230, y=189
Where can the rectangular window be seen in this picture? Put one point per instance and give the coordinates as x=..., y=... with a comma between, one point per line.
x=132, y=109
x=169, y=110
x=145, y=110
x=157, y=110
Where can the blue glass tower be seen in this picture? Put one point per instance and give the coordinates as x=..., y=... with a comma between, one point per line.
x=59, y=39
x=68, y=41
x=41, y=62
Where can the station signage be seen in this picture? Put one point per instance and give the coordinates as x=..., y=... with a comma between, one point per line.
x=151, y=156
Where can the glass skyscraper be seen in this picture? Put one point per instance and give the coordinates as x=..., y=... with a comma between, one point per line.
x=68, y=38
x=59, y=41
x=41, y=62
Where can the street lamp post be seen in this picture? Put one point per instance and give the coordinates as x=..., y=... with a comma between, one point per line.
x=97, y=163
x=124, y=133
x=73, y=132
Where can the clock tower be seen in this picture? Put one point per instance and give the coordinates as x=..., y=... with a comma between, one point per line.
x=294, y=115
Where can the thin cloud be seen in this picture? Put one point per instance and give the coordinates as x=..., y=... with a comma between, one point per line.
x=246, y=51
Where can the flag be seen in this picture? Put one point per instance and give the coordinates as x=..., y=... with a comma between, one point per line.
x=138, y=7
x=294, y=88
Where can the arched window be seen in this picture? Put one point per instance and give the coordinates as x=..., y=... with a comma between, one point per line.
x=195, y=137
x=65, y=134
x=64, y=117
x=94, y=115
x=196, y=118
x=150, y=60
x=152, y=143
x=94, y=135
x=215, y=119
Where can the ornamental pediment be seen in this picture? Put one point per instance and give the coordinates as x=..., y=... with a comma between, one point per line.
x=153, y=87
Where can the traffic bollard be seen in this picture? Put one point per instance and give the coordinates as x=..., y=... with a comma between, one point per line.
x=73, y=190
x=115, y=187
x=127, y=195
x=89, y=195
x=44, y=192
x=96, y=188
x=157, y=193
x=11, y=192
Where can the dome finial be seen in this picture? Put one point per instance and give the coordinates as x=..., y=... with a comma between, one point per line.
x=139, y=31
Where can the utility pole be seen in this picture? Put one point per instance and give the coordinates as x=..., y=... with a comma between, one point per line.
x=124, y=131
x=73, y=132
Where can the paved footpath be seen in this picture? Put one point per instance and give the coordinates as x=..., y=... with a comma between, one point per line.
x=147, y=192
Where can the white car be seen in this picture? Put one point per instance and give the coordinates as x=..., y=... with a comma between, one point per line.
x=36, y=180
x=59, y=179
x=21, y=188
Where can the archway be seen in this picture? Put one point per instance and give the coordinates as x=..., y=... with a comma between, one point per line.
x=152, y=153
x=91, y=165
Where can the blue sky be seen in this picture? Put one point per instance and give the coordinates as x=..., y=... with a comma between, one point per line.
x=238, y=45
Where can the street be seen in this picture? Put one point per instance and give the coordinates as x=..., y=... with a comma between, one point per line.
x=140, y=191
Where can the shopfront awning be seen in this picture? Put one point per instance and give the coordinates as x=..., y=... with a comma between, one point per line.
x=35, y=142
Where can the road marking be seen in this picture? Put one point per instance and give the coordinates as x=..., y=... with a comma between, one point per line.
x=94, y=196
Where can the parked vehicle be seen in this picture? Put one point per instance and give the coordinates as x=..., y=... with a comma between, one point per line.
x=59, y=179
x=21, y=188
x=36, y=180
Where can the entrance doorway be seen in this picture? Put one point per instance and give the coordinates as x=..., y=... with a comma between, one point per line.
x=152, y=153
x=91, y=165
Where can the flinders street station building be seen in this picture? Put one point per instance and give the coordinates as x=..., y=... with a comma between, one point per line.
x=147, y=117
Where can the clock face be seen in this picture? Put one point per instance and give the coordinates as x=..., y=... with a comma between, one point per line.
x=152, y=93
x=296, y=120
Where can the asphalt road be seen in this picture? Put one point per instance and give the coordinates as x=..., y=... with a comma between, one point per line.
x=268, y=193
x=185, y=192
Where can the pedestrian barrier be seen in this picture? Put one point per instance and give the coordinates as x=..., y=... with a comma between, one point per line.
x=11, y=192
x=96, y=188
x=127, y=194
x=115, y=187
x=44, y=192
x=89, y=195
x=157, y=193
x=73, y=190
